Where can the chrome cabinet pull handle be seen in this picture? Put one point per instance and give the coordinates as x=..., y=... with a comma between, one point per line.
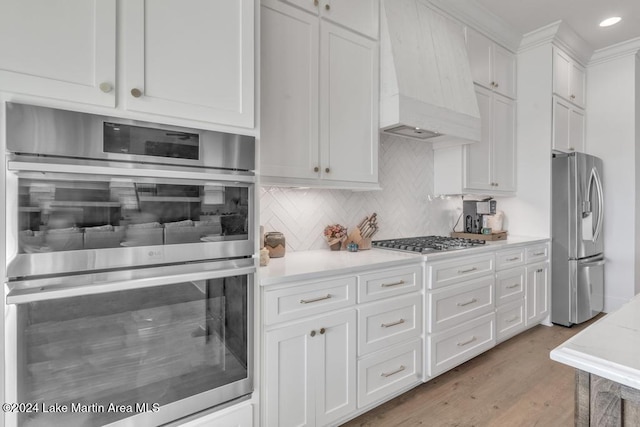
x=308, y=301
x=469, y=341
x=515, y=285
x=513, y=259
x=539, y=253
x=388, y=374
x=513, y=319
x=388, y=285
x=471, y=301
x=388, y=325
x=469, y=270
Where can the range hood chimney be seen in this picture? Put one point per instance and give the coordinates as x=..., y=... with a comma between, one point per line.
x=426, y=89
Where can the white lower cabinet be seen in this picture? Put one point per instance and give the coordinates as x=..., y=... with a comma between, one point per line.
x=389, y=371
x=509, y=319
x=538, y=301
x=310, y=371
x=461, y=343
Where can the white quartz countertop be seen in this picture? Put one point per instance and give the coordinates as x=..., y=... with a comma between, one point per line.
x=609, y=348
x=305, y=265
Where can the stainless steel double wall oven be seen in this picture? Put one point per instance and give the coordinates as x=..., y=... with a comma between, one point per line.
x=129, y=274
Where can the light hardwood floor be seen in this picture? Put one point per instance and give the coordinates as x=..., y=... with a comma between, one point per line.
x=513, y=384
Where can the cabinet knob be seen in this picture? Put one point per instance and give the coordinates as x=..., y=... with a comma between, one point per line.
x=312, y=333
x=136, y=93
x=315, y=2
x=497, y=184
x=493, y=84
x=571, y=149
x=316, y=169
x=327, y=6
x=322, y=331
x=327, y=170
x=496, y=85
x=539, y=270
x=105, y=87
x=572, y=97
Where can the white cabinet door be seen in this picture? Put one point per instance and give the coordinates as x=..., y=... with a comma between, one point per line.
x=289, y=84
x=357, y=15
x=568, y=78
x=310, y=369
x=537, y=295
x=504, y=143
x=348, y=106
x=492, y=66
x=64, y=50
x=478, y=155
x=193, y=59
x=504, y=71
x=336, y=367
x=568, y=126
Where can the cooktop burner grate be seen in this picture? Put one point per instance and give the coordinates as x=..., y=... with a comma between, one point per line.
x=426, y=244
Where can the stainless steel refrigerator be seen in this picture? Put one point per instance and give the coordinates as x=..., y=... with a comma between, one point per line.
x=577, y=263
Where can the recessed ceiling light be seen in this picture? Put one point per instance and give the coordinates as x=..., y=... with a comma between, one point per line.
x=610, y=21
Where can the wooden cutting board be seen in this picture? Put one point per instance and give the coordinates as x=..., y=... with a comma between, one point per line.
x=498, y=235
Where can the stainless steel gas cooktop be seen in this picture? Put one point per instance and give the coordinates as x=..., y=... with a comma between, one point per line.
x=427, y=244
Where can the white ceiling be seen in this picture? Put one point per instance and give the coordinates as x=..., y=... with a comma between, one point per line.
x=583, y=16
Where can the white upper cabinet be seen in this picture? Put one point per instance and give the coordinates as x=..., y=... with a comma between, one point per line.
x=490, y=163
x=568, y=78
x=63, y=50
x=492, y=66
x=568, y=126
x=319, y=101
x=190, y=59
x=361, y=16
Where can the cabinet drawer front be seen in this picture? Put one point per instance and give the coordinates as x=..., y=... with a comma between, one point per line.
x=305, y=300
x=537, y=253
x=510, y=285
x=509, y=259
x=459, y=303
x=389, y=371
x=453, y=347
x=509, y=320
x=446, y=273
x=389, y=283
x=389, y=322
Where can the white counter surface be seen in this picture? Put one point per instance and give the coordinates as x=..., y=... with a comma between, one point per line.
x=609, y=348
x=305, y=265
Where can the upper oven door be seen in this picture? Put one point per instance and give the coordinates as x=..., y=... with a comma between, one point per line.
x=69, y=217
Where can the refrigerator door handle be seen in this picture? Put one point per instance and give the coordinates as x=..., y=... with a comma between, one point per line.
x=598, y=183
x=593, y=263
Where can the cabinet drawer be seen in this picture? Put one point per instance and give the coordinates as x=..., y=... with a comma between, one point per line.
x=388, y=322
x=389, y=283
x=509, y=258
x=455, y=271
x=509, y=320
x=308, y=299
x=389, y=371
x=537, y=253
x=459, y=344
x=510, y=285
x=459, y=303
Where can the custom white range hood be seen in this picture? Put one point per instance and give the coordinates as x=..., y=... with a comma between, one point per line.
x=426, y=85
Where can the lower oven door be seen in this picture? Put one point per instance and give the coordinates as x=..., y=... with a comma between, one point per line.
x=136, y=347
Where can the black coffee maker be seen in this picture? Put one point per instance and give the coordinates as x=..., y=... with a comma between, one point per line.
x=473, y=212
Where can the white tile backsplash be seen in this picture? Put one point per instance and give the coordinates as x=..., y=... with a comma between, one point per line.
x=403, y=206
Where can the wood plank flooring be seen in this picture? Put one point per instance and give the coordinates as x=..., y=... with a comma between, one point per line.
x=513, y=384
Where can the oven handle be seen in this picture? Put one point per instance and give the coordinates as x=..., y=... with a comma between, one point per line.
x=36, y=292
x=90, y=168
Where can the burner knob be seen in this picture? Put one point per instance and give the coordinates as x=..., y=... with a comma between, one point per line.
x=417, y=249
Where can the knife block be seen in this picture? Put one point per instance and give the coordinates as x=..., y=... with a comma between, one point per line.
x=355, y=237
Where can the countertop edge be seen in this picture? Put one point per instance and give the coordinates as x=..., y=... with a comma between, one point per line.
x=598, y=366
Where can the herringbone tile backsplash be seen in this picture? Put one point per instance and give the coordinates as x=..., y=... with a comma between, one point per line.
x=403, y=205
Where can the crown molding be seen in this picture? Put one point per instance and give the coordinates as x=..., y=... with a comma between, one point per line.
x=561, y=35
x=476, y=16
x=620, y=50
